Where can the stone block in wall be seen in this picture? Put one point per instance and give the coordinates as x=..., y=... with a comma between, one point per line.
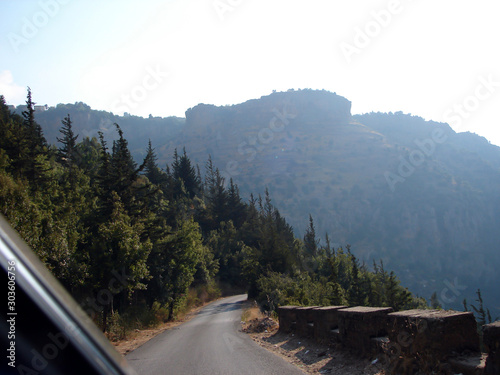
x=357, y=325
x=491, y=340
x=287, y=318
x=326, y=321
x=429, y=337
x=305, y=321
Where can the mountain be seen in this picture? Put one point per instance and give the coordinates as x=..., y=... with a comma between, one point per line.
x=88, y=122
x=411, y=192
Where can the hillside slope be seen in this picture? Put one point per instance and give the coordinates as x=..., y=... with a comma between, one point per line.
x=411, y=192
x=396, y=187
x=88, y=122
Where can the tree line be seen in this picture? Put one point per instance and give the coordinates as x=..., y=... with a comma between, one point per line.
x=93, y=214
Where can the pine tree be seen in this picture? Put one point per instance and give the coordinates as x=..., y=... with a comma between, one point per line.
x=151, y=169
x=356, y=297
x=117, y=248
x=104, y=178
x=34, y=132
x=236, y=208
x=435, y=301
x=310, y=241
x=328, y=248
x=184, y=172
x=200, y=180
x=250, y=232
x=9, y=137
x=216, y=196
x=179, y=253
x=89, y=156
x=123, y=165
x=267, y=208
x=67, y=152
x=31, y=143
x=122, y=174
x=397, y=296
x=483, y=315
x=4, y=111
x=338, y=294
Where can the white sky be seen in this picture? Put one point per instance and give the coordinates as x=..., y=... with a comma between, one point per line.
x=437, y=59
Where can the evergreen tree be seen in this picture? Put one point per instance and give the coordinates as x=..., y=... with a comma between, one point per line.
x=251, y=230
x=328, y=248
x=4, y=112
x=200, y=180
x=227, y=250
x=397, y=297
x=118, y=173
x=33, y=130
x=435, y=301
x=216, y=196
x=123, y=165
x=236, y=208
x=277, y=242
x=483, y=315
x=67, y=152
x=104, y=179
x=151, y=169
x=118, y=249
x=310, y=241
x=355, y=292
x=184, y=172
x=27, y=142
x=180, y=254
x=9, y=137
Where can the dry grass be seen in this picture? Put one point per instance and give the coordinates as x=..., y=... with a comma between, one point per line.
x=251, y=313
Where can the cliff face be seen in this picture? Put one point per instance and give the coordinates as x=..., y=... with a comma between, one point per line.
x=410, y=192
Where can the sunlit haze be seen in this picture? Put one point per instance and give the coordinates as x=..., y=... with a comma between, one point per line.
x=436, y=59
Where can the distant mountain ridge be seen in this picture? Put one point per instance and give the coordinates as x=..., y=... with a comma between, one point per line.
x=88, y=122
x=411, y=192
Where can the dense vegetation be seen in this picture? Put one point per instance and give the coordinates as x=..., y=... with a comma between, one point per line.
x=129, y=239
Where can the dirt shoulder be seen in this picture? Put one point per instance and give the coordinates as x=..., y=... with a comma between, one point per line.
x=313, y=358
x=306, y=354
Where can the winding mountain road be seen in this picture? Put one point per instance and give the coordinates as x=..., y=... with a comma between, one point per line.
x=209, y=344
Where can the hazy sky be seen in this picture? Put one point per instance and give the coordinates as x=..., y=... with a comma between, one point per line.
x=437, y=59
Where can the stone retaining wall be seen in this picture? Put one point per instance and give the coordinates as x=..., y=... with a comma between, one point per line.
x=326, y=324
x=358, y=325
x=491, y=339
x=430, y=336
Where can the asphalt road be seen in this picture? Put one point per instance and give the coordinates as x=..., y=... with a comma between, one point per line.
x=208, y=344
